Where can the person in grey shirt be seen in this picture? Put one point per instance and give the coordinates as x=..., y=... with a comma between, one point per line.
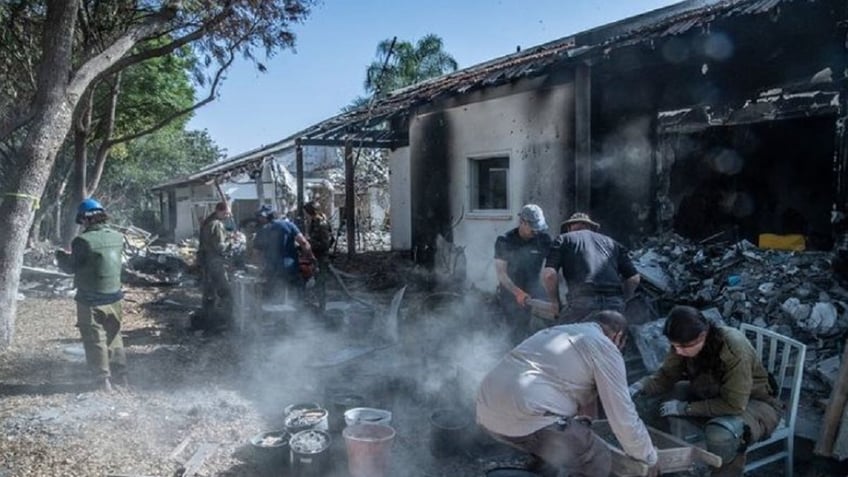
x=536, y=397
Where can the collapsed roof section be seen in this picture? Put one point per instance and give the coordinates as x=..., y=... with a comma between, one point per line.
x=367, y=126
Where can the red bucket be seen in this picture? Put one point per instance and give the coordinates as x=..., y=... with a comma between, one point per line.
x=369, y=449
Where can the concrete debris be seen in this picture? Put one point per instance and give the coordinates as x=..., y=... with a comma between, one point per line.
x=793, y=293
x=144, y=265
x=651, y=343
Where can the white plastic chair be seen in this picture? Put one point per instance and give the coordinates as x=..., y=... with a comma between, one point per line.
x=783, y=357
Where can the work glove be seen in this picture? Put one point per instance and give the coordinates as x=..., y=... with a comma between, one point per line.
x=635, y=388
x=521, y=296
x=673, y=408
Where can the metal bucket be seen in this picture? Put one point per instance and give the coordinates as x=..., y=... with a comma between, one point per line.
x=448, y=431
x=271, y=450
x=340, y=402
x=367, y=415
x=300, y=406
x=309, y=453
x=306, y=419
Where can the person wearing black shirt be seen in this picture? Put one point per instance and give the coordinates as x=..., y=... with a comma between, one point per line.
x=519, y=255
x=596, y=268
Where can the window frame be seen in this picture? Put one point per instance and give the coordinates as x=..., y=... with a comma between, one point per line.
x=474, y=162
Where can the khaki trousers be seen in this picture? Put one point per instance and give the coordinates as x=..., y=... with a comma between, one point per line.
x=100, y=329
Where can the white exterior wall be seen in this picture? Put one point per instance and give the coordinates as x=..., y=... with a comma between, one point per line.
x=184, y=226
x=400, y=193
x=535, y=129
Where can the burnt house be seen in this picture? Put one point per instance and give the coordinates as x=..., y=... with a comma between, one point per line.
x=702, y=117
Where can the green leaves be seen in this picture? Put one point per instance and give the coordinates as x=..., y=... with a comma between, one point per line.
x=408, y=64
x=151, y=160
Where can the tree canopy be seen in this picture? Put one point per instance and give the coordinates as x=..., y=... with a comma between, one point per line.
x=53, y=51
x=408, y=63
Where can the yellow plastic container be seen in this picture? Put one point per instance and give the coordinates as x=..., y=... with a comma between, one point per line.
x=796, y=242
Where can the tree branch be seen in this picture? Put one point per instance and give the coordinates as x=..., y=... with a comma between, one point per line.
x=107, y=128
x=213, y=92
x=106, y=61
x=172, y=46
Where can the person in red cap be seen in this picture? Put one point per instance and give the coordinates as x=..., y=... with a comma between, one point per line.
x=519, y=255
x=596, y=268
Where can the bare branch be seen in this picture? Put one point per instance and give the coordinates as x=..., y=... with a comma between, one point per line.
x=107, y=128
x=213, y=93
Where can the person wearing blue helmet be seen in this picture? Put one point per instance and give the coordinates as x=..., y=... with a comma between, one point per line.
x=95, y=261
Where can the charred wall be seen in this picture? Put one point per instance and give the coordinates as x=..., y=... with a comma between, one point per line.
x=721, y=65
x=430, y=177
x=754, y=179
x=528, y=129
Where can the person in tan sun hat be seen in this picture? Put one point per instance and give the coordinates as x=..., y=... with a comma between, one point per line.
x=596, y=268
x=519, y=255
x=579, y=218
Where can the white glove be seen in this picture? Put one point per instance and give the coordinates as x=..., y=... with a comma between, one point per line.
x=673, y=408
x=635, y=388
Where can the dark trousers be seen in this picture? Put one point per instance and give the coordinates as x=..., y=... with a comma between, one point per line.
x=516, y=318
x=580, y=307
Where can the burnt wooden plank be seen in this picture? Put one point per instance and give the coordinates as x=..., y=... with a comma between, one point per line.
x=198, y=458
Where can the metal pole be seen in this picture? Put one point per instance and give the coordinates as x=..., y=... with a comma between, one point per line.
x=299, y=167
x=350, y=203
x=260, y=184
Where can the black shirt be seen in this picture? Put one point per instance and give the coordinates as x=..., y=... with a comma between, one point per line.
x=524, y=258
x=591, y=263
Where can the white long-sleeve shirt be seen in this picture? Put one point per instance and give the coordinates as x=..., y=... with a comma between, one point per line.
x=556, y=372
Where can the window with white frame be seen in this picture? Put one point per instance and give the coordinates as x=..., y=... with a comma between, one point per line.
x=489, y=183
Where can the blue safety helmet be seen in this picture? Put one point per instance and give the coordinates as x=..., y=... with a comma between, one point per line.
x=88, y=207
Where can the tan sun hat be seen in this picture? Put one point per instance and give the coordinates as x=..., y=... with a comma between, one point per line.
x=578, y=218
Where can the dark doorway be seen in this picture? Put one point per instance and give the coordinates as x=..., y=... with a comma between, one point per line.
x=770, y=177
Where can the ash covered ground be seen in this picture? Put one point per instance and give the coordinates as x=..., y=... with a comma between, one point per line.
x=192, y=391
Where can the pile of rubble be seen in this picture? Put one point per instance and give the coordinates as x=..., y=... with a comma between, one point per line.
x=144, y=265
x=793, y=293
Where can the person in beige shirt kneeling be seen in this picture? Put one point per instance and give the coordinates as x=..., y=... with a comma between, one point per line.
x=535, y=398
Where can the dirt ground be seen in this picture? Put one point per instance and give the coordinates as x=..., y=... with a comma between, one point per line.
x=191, y=388
x=219, y=389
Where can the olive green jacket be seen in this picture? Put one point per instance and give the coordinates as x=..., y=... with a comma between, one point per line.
x=320, y=235
x=95, y=261
x=724, y=391
x=213, y=240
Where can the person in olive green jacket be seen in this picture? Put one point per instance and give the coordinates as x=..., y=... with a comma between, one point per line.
x=95, y=261
x=718, y=383
x=321, y=240
x=212, y=258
